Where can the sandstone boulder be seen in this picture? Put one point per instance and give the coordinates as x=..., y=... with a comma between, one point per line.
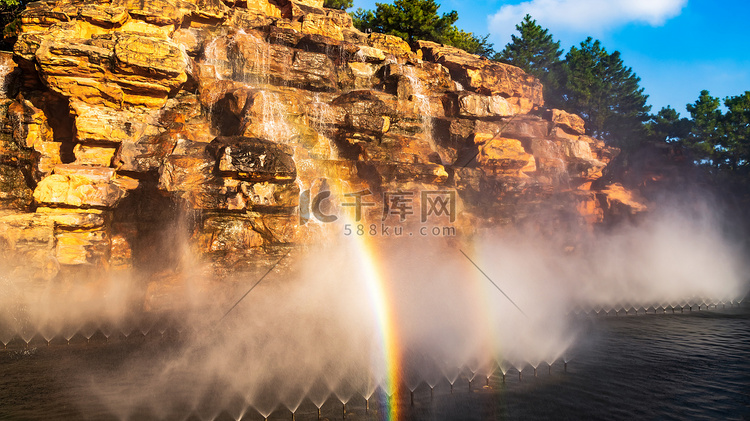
x=486, y=77
x=480, y=106
x=111, y=70
x=228, y=233
x=73, y=218
x=106, y=16
x=392, y=45
x=327, y=26
x=368, y=110
x=252, y=159
x=425, y=173
x=79, y=186
x=618, y=202
x=82, y=247
x=571, y=123
x=501, y=155
x=29, y=239
x=97, y=124
x=263, y=7
x=93, y=155
x=181, y=173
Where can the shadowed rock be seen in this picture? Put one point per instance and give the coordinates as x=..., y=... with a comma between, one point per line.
x=252, y=159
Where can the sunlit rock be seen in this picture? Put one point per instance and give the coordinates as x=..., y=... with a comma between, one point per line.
x=82, y=247
x=503, y=155
x=93, y=155
x=111, y=70
x=73, y=218
x=486, y=77
x=79, y=187
x=480, y=106
x=619, y=202
x=568, y=122
x=392, y=45
x=313, y=23
x=29, y=238
x=264, y=7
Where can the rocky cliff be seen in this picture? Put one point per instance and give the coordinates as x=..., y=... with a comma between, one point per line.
x=223, y=122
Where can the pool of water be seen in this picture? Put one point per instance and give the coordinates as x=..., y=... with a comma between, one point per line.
x=658, y=366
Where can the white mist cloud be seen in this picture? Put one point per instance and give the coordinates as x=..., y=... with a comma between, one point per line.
x=583, y=16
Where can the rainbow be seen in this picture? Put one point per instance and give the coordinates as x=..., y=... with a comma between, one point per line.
x=385, y=314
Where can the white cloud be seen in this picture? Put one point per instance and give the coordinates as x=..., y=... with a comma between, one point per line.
x=590, y=17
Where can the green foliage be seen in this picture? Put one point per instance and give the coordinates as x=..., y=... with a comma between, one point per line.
x=336, y=4
x=736, y=131
x=10, y=11
x=468, y=42
x=703, y=139
x=721, y=140
x=605, y=93
x=667, y=126
x=419, y=20
x=408, y=19
x=537, y=53
x=589, y=82
x=363, y=19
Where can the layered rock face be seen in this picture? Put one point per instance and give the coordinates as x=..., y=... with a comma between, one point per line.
x=225, y=121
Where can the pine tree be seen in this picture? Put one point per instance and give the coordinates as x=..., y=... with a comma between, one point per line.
x=605, y=93
x=720, y=140
x=419, y=20
x=408, y=19
x=469, y=42
x=704, y=139
x=338, y=4
x=667, y=126
x=737, y=133
x=364, y=20
x=537, y=53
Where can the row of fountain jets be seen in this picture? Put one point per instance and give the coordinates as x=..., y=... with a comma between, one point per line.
x=25, y=333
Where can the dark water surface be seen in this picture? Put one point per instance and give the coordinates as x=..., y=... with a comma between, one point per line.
x=647, y=367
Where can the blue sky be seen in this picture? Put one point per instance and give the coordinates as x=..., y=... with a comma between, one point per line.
x=676, y=47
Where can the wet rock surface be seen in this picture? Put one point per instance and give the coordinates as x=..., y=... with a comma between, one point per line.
x=123, y=119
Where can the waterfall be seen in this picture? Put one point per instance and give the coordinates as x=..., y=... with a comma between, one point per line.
x=322, y=119
x=421, y=98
